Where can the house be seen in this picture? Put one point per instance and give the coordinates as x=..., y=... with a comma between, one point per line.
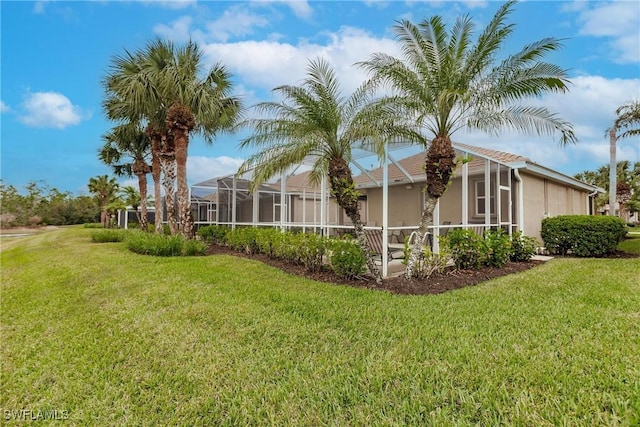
x=490, y=189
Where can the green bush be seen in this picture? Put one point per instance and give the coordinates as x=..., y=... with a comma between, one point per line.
x=347, y=258
x=243, y=239
x=213, y=233
x=161, y=245
x=523, y=248
x=496, y=248
x=583, y=235
x=312, y=251
x=465, y=247
x=108, y=236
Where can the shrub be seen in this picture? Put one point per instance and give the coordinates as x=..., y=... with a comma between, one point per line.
x=243, y=239
x=312, y=251
x=161, y=245
x=108, y=236
x=583, y=235
x=265, y=240
x=347, y=258
x=496, y=248
x=213, y=233
x=522, y=247
x=465, y=247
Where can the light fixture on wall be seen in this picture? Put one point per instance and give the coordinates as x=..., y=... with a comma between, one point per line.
x=408, y=186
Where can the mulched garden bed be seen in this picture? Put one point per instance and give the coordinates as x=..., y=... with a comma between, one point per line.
x=437, y=283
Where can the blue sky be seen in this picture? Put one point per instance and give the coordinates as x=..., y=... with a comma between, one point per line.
x=54, y=55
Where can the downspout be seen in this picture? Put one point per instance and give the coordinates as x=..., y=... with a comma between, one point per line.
x=591, y=207
x=516, y=174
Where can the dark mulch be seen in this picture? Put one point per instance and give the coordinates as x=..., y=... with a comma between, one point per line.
x=454, y=279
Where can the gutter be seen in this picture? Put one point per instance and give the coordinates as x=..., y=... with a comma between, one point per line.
x=516, y=174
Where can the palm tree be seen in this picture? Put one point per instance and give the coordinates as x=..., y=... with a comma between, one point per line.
x=198, y=104
x=446, y=83
x=315, y=121
x=133, y=95
x=105, y=189
x=129, y=141
x=628, y=121
x=131, y=197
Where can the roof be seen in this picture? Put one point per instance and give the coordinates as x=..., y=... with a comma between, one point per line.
x=411, y=169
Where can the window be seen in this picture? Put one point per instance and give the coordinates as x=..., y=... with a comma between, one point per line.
x=480, y=200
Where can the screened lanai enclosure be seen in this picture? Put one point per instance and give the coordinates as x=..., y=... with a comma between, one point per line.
x=487, y=192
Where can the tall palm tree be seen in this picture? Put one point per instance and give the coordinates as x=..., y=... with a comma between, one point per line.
x=200, y=104
x=133, y=94
x=446, y=82
x=130, y=142
x=315, y=121
x=105, y=188
x=628, y=122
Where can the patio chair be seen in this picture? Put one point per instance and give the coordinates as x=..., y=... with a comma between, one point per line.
x=374, y=238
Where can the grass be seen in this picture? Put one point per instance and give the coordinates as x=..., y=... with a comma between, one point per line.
x=115, y=338
x=631, y=244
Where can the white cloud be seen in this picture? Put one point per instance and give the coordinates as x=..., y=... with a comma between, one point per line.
x=201, y=168
x=49, y=110
x=300, y=8
x=619, y=21
x=235, y=21
x=268, y=64
x=4, y=107
x=172, y=4
x=39, y=6
x=178, y=31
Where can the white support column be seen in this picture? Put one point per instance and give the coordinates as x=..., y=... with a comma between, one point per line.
x=436, y=220
x=234, y=200
x=304, y=210
x=323, y=206
x=283, y=204
x=498, y=201
x=385, y=211
x=256, y=207
x=487, y=191
x=465, y=192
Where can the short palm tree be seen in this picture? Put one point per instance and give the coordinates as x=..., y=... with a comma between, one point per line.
x=198, y=103
x=314, y=121
x=446, y=82
x=106, y=189
x=126, y=148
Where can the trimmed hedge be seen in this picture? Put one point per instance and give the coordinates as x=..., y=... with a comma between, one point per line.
x=582, y=235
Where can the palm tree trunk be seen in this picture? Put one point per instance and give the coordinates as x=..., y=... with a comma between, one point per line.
x=416, y=250
x=168, y=161
x=343, y=189
x=613, y=172
x=440, y=164
x=142, y=186
x=155, y=173
x=184, y=204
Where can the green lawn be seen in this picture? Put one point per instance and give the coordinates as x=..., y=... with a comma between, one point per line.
x=107, y=337
x=631, y=244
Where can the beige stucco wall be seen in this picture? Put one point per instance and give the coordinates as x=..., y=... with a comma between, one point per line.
x=544, y=198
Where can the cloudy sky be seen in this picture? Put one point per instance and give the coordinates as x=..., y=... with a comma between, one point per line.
x=54, y=55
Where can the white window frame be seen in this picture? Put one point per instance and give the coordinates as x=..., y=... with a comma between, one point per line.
x=479, y=200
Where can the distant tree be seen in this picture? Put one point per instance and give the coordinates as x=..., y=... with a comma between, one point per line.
x=126, y=148
x=105, y=189
x=629, y=193
x=131, y=197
